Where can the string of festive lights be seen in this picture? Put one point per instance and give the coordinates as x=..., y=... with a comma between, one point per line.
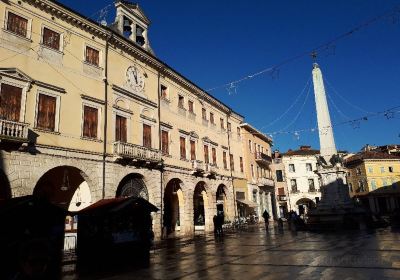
x=326, y=47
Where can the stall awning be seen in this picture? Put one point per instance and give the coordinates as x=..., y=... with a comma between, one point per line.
x=247, y=202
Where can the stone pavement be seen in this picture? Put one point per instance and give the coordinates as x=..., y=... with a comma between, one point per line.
x=256, y=255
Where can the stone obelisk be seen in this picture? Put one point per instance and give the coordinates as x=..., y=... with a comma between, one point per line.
x=335, y=208
x=326, y=140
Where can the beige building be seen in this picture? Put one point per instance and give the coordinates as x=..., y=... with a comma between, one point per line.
x=260, y=192
x=281, y=188
x=88, y=112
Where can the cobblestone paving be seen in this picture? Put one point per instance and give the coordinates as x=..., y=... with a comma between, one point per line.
x=257, y=255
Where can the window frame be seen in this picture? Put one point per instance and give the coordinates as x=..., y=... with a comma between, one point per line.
x=128, y=117
x=28, y=27
x=290, y=169
x=185, y=147
x=20, y=84
x=61, y=39
x=100, y=65
x=95, y=106
x=57, y=112
x=167, y=153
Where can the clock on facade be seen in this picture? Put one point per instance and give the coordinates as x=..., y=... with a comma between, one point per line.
x=135, y=78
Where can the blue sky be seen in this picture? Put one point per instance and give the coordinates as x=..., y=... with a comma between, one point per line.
x=216, y=42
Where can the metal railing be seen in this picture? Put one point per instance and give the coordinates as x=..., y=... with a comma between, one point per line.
x=11, y=129
x=127, y=150
x=263, y=157
x=266, y=181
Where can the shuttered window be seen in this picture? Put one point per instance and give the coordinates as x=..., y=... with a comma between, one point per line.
x=183, y=147
x=241, y=164
x=203, y=114
x=190, y=105
x=192, y=150
x=10, y=102
x=90, y=122
x=231, y=162
x=206, y=157
x=212, y=118
x=51, y=38
x=17, y=24
x=164, y=93
x=46, y=117
x=281, y=191
x=146, y=136
x=92, y=56
x=120, y=129
x=214, y=155
x=224, y=160
x=164, y=142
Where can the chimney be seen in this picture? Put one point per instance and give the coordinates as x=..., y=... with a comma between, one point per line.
x=305, y=148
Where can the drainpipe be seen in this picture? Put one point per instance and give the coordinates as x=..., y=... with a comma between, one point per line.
x=105, y=80
x=229, y=151
x=160, y=147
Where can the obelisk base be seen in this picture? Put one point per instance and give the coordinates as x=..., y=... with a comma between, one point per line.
x=336, y=210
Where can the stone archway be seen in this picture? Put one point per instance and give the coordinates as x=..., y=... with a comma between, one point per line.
x=60, y=184
x=304, y=204
x=174, y=214
x=5, y=190
x=132, y=185
x=221, y=200
x=200, y=206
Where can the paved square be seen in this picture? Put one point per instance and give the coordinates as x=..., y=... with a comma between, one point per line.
x=256, y=255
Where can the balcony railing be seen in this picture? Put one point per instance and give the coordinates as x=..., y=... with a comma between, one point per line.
x=313, y=190
x=13, y=130
x=127, y=150
x=266, y=182
x=197, y=166
x=263, y=158
x=211, y=168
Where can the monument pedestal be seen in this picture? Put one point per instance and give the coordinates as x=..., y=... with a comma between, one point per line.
x=336, y=210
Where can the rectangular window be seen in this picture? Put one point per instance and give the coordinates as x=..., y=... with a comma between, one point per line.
x=252, y=170
x=254, y=196
x=250, y=145
x=90, y=121
x=279, y=176
x=350, y=187
x=241, y=164
x=293, y=184
x=17, y=24
x=146, y=136
x=214, y=155
x=255, y=147
x=358, y=171
x=238, y=131
x=370, y=169
x=10, y=102
x=212, y=121
x=164, y=92
x=373, y=185
x=229, y=126
x=308, y=167
x=51, y=39
x=181, y=101
x=222, y=123
x=382, y=169
x=224, y=160
x=232, y=162
x=190, y=106
x=240, y=195
x=164, y=142
x=120, y=129
x=291, y=168
x=46, y=116
x=206, y=156
x=361, y=186
x=92, y=56
x=203, y=114
x=391, y=169
x=182, y=141
x=281, y=191
x=311, y=186
x=258, y=172
x=192, y=150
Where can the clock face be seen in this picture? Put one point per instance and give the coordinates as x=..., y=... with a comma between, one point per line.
x=135, y=78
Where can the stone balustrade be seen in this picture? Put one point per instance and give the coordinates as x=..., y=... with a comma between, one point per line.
x=13, y=130
x=127, y=150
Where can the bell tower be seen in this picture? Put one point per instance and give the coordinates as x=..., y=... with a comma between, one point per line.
x=132, y=23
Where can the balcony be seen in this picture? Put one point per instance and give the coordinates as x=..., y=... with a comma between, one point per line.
x=265, y=182
x=197, y=166
x=313, y=190
x=13, y=131
x=136, y=152
x=262, y=158
x=211, y=169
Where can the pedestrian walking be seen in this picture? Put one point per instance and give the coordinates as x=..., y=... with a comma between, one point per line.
x=266, y=219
